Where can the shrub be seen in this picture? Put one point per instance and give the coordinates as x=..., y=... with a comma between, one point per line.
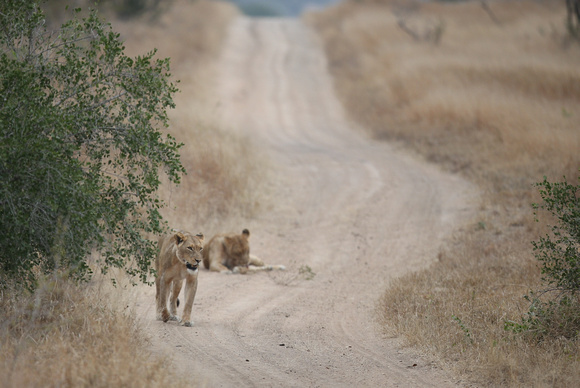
x=558, y=251
x=555, y=311
x=80, y=146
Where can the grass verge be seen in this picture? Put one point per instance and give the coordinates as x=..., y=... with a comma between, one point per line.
x=69, y=335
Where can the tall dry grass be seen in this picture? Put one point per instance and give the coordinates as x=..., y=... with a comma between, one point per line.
x=225, y=171
x=493, y=95
x=65, y=334
x=70, y=335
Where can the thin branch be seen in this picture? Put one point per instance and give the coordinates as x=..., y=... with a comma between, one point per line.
x=488, y=10
x=53, y=47
x=404, y=27
x=108, y=100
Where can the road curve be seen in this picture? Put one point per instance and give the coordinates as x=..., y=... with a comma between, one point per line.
x=357, y=212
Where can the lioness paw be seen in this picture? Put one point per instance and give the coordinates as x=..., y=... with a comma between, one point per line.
x=188, y=324
x=174, y=318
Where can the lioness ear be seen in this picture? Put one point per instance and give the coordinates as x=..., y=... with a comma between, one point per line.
x=246, y=233
x=200, y=236
x=179, y=237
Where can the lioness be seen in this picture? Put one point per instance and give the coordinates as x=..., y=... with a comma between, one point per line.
x=179, y=256
x=230, y=253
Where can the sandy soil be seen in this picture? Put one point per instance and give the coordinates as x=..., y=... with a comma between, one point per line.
x=358, y=213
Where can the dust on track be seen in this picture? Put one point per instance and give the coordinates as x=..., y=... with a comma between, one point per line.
x=357, y=212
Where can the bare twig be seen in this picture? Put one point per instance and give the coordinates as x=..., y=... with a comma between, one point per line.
x=488, y=10
x=404, y=27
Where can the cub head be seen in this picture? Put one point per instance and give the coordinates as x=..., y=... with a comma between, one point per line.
x=188, y=249
x=238, y=249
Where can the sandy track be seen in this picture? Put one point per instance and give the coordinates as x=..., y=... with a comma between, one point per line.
x=357, y=212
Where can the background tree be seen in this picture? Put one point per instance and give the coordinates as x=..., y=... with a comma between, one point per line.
x=80, y=146
x=573, y=17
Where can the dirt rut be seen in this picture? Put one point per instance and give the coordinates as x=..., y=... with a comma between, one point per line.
x=350, y=212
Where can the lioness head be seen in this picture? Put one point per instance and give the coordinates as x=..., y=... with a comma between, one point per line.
x=238, y=249
x=189, y=249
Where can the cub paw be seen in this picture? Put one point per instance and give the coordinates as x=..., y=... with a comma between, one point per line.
x=188, y=324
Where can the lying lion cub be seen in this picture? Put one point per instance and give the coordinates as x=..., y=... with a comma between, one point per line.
x=230, y=253
x=178, y=259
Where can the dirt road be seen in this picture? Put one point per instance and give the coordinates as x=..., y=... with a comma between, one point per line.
x=357, y=213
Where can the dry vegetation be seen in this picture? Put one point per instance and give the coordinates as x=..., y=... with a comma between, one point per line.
x=70, y=335
x=224, y=171
x=87, y=335
x=493, y=94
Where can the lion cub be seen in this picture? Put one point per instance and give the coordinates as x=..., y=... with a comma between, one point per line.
x=178, y=259
x=230, y=253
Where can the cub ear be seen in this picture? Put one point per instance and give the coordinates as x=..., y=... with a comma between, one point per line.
x=246, y=233
x=179, y=238
x=200, y=236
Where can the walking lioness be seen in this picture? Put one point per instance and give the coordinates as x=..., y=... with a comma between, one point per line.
x=179, y=256
x=230, y=253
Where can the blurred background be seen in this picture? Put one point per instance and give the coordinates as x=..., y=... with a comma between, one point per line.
x=256, y=8
x=279, y=7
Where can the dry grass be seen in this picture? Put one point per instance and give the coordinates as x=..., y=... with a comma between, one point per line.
x=494, y=97
x=224, y=170
x=69, y=335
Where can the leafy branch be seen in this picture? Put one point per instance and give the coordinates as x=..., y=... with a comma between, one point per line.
x=82, y=147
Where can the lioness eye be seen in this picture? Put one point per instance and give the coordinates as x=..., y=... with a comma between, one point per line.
x=190, y=248
x=200, y=249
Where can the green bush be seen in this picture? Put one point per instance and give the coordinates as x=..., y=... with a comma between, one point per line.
x=555, y=310
x=80, y=146
x=558, y=251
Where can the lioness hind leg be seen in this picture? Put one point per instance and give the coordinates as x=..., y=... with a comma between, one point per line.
x=175, y=290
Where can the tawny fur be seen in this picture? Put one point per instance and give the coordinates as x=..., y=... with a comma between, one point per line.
x=230, y=253
x=176, y=252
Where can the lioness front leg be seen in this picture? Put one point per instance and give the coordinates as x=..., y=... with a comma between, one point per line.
x=256, y=261
x=190, y=291
x=161, y=297
x=218, y=267
x=175, y=290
